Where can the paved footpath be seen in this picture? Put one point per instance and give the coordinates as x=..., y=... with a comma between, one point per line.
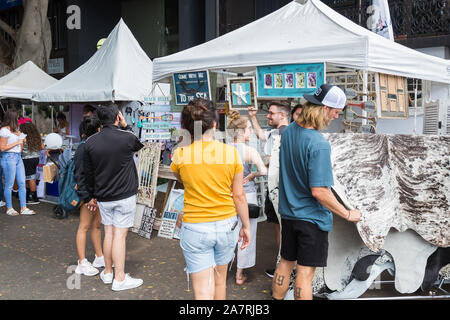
x=37, y=252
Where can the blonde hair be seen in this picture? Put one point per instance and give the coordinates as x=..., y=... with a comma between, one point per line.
x=236, y=123
x=313, y=115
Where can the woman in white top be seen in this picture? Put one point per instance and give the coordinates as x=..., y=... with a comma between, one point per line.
x=11, y=144
x=240, y=131
x=63, y=124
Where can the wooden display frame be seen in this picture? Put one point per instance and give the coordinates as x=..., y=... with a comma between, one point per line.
x=251, y=81
x=392, y=96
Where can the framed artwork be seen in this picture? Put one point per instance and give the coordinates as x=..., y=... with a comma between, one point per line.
x=191, y=85
x=241, y=92
x=289, y=81
x=300, y=80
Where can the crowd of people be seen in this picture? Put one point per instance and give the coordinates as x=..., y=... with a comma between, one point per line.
x=221, y=209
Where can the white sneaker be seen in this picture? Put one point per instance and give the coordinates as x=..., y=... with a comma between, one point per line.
x=127, y=283
x=99, y=262
x=107, y=278
x=86, y=268
x=2, y=203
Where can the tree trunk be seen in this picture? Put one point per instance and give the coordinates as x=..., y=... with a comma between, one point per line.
x=32, y=41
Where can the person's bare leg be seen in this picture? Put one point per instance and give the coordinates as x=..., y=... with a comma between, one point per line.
x=203, y=284
x=96, y=233
x=119, y=252
x=220, y=280
x=32, y=185
x=85, y=223
x=303, y=283
x=281, y=279
x=107, y=248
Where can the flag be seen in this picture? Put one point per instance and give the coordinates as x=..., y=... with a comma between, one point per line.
x=379, y=20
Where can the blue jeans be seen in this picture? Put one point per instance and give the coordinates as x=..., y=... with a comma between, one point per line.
x=13, y=168
x=1, y=181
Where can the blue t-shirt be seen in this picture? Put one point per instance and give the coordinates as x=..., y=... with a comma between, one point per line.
x=305, y=162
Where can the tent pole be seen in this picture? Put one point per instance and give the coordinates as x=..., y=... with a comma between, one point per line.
x=32, y=111
x=51, y=112
x=365, y=91
x=415, y=107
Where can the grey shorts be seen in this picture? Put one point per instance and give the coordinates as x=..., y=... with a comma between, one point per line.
x=118, y=213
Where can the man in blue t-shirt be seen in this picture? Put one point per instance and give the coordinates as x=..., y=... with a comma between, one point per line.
x=305, y=198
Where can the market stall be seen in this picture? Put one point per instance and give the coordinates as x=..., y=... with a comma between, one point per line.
x=21, y=83
x=292, y=51
x=119, y=71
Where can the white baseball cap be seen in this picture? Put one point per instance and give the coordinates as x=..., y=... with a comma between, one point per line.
x=53, y=141
x=328, y=95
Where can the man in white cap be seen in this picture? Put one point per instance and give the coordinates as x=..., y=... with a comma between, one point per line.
x=306, y=202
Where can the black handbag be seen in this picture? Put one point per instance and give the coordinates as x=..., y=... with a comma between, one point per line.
x=253, y=211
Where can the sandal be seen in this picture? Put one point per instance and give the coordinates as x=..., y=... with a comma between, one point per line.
x=12, y=212
x=240, y=281
x=27, y=211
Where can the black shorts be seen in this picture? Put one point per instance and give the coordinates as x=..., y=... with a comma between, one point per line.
x=30, y=167
x=304, y=242
x=269, y=210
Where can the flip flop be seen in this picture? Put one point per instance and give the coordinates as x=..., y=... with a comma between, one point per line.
x=27, y=211
x=12, y=212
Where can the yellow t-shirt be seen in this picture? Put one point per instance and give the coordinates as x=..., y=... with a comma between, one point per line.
x=207, y=169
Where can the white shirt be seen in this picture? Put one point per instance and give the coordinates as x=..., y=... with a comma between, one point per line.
x=6, y=133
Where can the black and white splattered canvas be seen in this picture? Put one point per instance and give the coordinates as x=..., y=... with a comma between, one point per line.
x=399, y=181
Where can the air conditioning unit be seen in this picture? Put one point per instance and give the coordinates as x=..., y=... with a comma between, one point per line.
x=436, y=117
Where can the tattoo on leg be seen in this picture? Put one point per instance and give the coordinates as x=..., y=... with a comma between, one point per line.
x=278, y=279
x=297, y=292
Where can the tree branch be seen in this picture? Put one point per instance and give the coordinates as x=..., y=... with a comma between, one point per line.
x=10, y=31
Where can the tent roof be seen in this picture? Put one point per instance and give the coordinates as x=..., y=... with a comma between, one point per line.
x=22, y=82
x=304, y=33
x=119, y=71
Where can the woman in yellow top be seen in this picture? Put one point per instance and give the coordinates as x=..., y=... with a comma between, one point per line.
x=212, y=175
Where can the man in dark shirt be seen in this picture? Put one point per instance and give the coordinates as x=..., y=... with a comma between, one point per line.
x=112, y=182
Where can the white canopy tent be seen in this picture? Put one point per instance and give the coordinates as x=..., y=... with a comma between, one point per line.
x=24, y=81
x=304, y=33
x=119, y=71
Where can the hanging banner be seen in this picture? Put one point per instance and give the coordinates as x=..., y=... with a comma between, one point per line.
x=379, y=20
x=191, y=85
x=289, y=80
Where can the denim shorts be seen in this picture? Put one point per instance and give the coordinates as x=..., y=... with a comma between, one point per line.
x=208, y=244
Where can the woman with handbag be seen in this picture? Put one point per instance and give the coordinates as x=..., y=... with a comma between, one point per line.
x=240, y=131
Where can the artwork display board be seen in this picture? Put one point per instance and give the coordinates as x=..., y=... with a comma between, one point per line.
x=148, y=219
x=168, y=224
x=289, y=80
x=173, y=215
x=191, y=85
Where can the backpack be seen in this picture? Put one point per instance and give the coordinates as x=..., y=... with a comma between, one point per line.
x=67, y=187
